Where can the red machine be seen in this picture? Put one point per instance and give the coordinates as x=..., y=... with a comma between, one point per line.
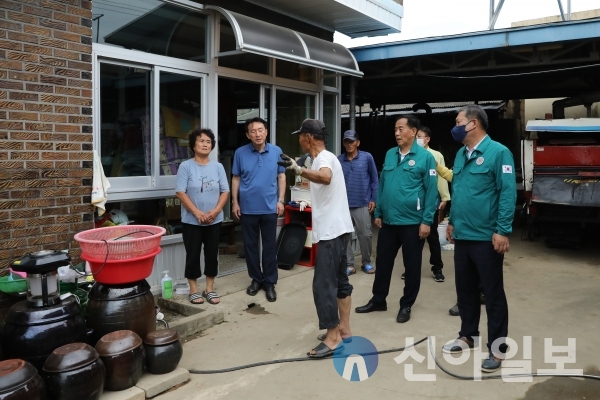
x=560, y=160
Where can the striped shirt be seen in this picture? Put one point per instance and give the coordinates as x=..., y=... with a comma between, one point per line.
x=361, y=179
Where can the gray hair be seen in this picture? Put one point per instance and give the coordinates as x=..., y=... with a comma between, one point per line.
x=475, y=111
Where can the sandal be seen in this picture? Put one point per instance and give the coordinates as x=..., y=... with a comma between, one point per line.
x=194, y=297
x=350, y=271
x=323, y=336
x=211, y=296
x=368, y=269
x=322, y=351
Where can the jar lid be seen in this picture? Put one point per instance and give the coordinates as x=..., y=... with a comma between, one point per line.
x=117, y=342
x=160, y=337
x=69, y=357
x=15, y=373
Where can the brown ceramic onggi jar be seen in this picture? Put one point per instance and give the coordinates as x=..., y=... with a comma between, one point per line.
x=123, y=356
x=121, y=307
x=19, y=380
x=74, y=372
x=163, y=351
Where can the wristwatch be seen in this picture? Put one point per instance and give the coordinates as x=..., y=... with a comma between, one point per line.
x=281, y=201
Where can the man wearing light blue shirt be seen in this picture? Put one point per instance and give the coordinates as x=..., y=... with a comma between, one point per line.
x=257, y=191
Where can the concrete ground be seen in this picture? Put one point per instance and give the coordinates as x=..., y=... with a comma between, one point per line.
x=552, y=293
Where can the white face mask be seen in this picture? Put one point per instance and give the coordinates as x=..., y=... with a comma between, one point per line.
x=421, y=142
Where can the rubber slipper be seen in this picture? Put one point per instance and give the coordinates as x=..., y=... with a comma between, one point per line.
x=322, y=337
x=323, y=351
x=210, y=296
x=368, y=269
x=350, y=271
x=194, y=297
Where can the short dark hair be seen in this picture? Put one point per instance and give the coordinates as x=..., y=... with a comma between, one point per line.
x=199, y=132
x=253, y=120
x=425, y=130
x=475, y=111
x=411, y=121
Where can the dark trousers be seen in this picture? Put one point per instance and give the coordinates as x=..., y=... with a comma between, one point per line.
x=435, y=250
x=391, y=238
x=478, y=268
x=330, y=281
x=264, y=225
x=194, y=236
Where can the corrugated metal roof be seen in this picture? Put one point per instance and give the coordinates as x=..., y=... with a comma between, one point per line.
x=355, y=18
x=501, y=38
x=435, y=107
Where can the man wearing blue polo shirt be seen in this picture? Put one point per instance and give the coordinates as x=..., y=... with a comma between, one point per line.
x=257, y=189
x=362, y=182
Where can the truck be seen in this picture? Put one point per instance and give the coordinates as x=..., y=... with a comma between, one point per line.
x=560, y=163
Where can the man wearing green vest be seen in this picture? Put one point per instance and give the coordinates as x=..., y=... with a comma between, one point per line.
x=406, y=203
x=483, y=207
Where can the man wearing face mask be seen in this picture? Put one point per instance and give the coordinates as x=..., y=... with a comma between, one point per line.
x=406, y=203
x=433, y=240
x=480, y=221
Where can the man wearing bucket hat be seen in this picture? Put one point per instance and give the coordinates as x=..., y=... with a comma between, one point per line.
x=360, y=174
x=331, y=229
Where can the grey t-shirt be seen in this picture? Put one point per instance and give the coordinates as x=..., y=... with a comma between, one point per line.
x=203, y=184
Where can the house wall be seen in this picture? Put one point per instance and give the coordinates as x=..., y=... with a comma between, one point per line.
x=45, y=126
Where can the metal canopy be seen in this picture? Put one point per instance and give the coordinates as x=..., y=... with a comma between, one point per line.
x=270, y=40
x=355, y=18
x=542, y=61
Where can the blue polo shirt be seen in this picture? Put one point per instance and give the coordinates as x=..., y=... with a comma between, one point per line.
x=361, y=179
x=258, y=178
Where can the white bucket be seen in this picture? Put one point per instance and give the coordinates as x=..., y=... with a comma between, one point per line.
x=442, y=232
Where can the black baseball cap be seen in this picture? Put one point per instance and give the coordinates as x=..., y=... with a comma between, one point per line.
x=312, y=126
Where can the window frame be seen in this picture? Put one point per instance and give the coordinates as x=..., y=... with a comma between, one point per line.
x=155, y=185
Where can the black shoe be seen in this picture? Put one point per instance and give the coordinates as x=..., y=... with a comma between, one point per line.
x=370, y=306
x=482, y=298
x=403, y=315
x=438, y=276
x=454, y=310
x=253, y=288
x=271, y=293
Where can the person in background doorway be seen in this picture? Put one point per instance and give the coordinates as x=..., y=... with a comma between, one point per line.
x=331, y=229
x=433, y=240
x=258, y=189
x=202, y=188
x=406, y=203
x=362, y=182
x=480, y=221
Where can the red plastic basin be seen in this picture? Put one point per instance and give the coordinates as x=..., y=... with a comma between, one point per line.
x=117, y=272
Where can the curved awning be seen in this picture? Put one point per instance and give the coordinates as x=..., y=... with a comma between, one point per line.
x=254, y=36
